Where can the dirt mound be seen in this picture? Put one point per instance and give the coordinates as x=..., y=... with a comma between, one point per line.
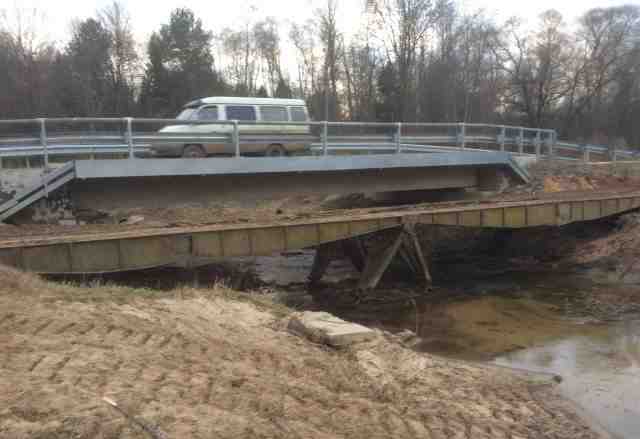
x=558, y=184
x=588, y=183
x=206, y=363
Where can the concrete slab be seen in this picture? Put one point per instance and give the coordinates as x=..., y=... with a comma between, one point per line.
x=322, y=327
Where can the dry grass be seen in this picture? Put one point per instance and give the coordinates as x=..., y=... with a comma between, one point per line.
x=202, y=363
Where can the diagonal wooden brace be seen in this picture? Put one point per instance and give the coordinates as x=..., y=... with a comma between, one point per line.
x=403, y=242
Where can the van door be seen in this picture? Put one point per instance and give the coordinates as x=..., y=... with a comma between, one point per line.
x=250, y=141
x=210, y=113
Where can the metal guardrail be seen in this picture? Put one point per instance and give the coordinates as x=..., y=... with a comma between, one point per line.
x=65, y=138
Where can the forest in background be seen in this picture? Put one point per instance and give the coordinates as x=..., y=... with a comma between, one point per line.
x=410, y=61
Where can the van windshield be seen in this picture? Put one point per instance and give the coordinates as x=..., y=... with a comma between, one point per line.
x=187, y=114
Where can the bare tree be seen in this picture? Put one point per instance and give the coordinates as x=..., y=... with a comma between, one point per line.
x=125, y=65
x=242, y=52
x=332, y=46
x=268, y=46
x=360, y=64
x=536, y=67
x=607, y=38
x=26, y=58
x=405, y=25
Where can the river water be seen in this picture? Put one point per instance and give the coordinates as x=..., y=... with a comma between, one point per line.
x=600, y=371
x=517, y=320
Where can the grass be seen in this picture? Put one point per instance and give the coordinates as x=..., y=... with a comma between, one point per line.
x=14, y=282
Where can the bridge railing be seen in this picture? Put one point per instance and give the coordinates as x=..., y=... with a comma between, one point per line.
x=39, y=142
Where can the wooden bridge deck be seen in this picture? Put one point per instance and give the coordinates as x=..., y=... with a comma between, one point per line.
x=95, y=252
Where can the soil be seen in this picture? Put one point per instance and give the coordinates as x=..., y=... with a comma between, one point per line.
x=215, y=363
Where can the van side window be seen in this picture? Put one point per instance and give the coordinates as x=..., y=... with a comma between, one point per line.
x=274, y=114
x=298, y=114
x=241, y=112
x=208, y=113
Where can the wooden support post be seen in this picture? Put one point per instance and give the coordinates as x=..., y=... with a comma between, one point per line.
x=404, y=243
x=321, y=262
x=423, y=266
x=356, y=252
x=378, y=262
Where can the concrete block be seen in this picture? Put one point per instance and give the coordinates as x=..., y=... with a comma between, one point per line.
x=322, y=327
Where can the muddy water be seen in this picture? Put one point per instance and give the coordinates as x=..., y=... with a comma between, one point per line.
x=600, y=371
x=520, y=320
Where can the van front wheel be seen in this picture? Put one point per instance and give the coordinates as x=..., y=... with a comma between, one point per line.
x=193, y=151
x=275, y=151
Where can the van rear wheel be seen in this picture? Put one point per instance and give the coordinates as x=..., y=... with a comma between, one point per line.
x=193, y=151
x=275, y=151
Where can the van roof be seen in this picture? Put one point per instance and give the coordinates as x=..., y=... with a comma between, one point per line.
x=245, y=101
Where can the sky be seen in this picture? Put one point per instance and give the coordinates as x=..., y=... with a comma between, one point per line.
x=147, y=15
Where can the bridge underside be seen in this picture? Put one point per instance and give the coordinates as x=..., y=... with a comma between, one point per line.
x=106, y=185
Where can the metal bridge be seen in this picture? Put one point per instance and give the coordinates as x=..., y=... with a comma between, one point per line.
x=97, y=252
x=26, y=142
x=105, y=160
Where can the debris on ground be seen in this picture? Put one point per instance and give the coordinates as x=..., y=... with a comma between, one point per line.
x=322, y=327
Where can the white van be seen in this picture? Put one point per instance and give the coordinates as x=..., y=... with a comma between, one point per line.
x=255, y=139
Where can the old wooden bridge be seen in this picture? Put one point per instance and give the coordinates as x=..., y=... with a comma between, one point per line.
x=136, y=249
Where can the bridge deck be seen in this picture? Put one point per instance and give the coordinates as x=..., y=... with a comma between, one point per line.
x=109, y=250
x=105, y=185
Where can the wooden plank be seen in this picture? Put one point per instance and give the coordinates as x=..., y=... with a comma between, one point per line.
x=362, y=227
x=624, y=204
x=207, y=245
x=236, y=243
x=493, y=218
x=267, y=241
x=515, y=217
x=151, y=252
x=386, y=223
x=577, y=211
x=446, y=219
x=47, y=259
x=425, y=218
x=299, y=237
x=565, y=214
x=96, y=257
x=333, y=231
x=541, y=215
x=471, y=219
x=609, y=207
x=591, y=210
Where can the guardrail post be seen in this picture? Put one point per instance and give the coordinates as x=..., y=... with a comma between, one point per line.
x=537, y=144
x=129, y=122
x=551, y=143
x=521, y=141
x=585, y=153
x=325, y=137
x=236, y=138
x=503, y=137
x=462, y=132
x=43, y=143
x=398, y=137
x=614, y=153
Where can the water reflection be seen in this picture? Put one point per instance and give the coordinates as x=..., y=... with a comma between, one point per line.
x=601, y=372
